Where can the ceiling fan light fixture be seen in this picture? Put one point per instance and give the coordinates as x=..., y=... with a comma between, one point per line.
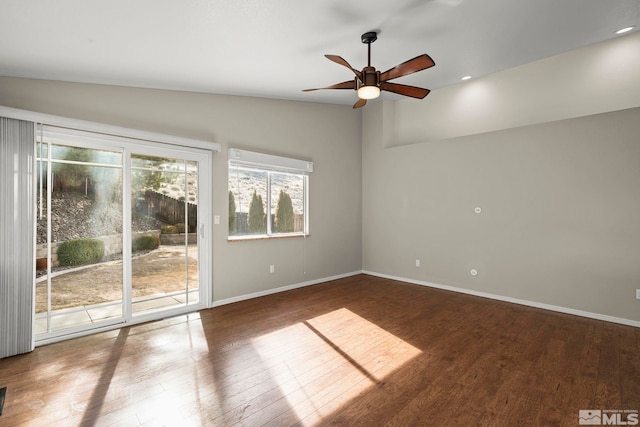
x=368, y=92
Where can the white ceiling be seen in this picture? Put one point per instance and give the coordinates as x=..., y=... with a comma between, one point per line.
x=275, y=48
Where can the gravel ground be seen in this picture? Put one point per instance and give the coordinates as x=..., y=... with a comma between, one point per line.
x=160, y=271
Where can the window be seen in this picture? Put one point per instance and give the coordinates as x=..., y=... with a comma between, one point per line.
x=268, y=195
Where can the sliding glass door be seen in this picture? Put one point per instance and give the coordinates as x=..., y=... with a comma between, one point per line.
x=164, y=194
x=79, y=237
x=119, y=231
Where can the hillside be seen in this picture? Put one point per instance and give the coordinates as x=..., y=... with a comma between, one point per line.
x=76, y=216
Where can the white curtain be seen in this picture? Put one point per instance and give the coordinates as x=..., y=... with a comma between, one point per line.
x=17, y=203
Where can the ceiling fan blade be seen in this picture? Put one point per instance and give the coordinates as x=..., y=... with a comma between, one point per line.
x=339, y=60
x=361, y=103
x=351, y=84
x=412, y=91
x=414, y=65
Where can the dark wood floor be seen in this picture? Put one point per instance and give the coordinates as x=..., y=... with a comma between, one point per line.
x=360, y=351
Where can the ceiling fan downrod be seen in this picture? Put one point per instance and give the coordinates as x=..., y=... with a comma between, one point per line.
x=369, y=38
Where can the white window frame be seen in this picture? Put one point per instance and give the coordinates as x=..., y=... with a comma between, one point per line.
x=270, y=164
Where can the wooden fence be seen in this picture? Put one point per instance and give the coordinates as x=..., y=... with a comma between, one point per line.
x=242, y=225
x=86, y=186
x=170, y=210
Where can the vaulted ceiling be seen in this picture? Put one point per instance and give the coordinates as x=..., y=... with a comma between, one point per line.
x=275, y=48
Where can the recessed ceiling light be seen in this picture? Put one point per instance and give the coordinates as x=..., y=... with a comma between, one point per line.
x=466, y=78
x=625, y=29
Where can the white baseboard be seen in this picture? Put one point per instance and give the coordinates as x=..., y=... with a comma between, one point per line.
x=550, y=307
x=281, y=289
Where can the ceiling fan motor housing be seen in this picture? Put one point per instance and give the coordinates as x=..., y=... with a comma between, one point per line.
x=370, y=77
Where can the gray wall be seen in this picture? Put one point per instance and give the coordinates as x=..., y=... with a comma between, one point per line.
x=328, y=135
x=560, y=202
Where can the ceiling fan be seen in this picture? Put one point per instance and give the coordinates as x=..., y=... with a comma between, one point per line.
x=369, y=82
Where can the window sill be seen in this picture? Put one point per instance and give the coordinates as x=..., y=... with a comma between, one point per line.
x=265, y=237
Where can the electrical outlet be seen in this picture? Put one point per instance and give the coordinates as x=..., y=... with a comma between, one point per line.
x=417, y=263
x=637, y=293
x=272, y=269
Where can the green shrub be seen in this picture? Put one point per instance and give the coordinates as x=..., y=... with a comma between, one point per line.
x=80, y=252
x=257, y=221
x=285, y=219
x=173, y=229
x=169, y=229
x=146, y=242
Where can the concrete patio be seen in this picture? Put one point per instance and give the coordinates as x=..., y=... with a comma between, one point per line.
x=86, y=315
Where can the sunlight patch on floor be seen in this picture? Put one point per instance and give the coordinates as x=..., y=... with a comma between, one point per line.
x=340, y=346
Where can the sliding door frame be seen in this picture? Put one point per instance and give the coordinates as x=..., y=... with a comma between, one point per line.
x=205, y=246
x=83, y=143
x=139, y=139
